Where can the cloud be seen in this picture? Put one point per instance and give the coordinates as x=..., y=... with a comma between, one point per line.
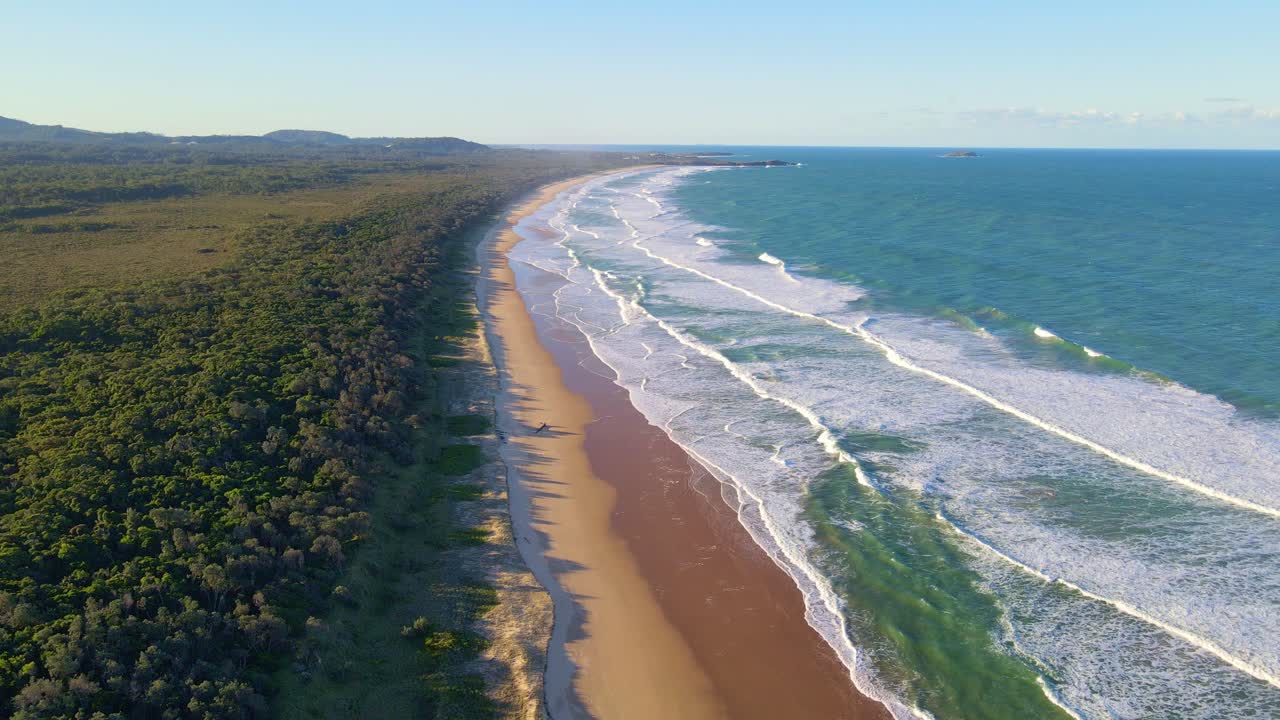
x=1052, y=118
x=1094, y=117
x=1223, y=100
x=1250, y=114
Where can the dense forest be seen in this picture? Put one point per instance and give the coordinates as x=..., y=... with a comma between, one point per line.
x=187, y=462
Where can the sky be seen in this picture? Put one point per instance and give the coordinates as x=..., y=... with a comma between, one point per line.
x=792, y=72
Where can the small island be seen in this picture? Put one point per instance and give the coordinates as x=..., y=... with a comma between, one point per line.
x=961, y=154
x=761, y=163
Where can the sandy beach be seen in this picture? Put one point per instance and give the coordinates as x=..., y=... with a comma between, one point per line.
x=664, y=607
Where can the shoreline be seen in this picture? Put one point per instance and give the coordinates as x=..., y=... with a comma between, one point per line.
x=664, y=606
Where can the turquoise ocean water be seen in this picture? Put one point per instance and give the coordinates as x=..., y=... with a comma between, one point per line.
x=1012, y=422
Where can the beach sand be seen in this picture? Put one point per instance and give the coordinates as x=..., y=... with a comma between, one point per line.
x=664, y=606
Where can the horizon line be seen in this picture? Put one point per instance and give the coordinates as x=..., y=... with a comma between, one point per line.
x=534, y=145
x=528, y=145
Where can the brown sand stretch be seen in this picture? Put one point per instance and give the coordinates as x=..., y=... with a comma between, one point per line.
x=664, y=606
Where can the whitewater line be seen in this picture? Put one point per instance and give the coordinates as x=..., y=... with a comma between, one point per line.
x=1053, y=698
x=584, y=232
x=826, y=594
x=826, y=437
x=894, y=357
x=829, y=601
x=1124, y=607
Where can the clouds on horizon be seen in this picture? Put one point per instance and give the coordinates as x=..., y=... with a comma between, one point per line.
x=1093, y=117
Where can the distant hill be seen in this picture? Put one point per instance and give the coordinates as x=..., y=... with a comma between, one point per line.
x=444, y=145
x=308, y=137
x=18, y=131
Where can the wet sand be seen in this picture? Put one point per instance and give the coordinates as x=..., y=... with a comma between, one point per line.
x=664, y=606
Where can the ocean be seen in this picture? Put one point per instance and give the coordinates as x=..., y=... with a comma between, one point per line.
x=1012, y=423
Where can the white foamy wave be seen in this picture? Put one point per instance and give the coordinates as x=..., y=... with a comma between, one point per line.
x=1162, y=429
x=1053, y=698
x=665, y=238
x=1045, y=334
x=1108, y=665
x=782, y=267
x=826, y=437
x=1262, y=673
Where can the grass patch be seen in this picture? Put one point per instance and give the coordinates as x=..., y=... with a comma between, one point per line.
x=460, y=459
x=459, y=698
x=467, y=599
x=467, y=425
x=470, y=536
x=441, y=645
x=464, y=491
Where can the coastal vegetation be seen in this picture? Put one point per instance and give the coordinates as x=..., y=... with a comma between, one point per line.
x=220, y=441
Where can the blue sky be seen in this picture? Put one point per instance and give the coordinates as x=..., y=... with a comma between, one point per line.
x=1068, y=74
